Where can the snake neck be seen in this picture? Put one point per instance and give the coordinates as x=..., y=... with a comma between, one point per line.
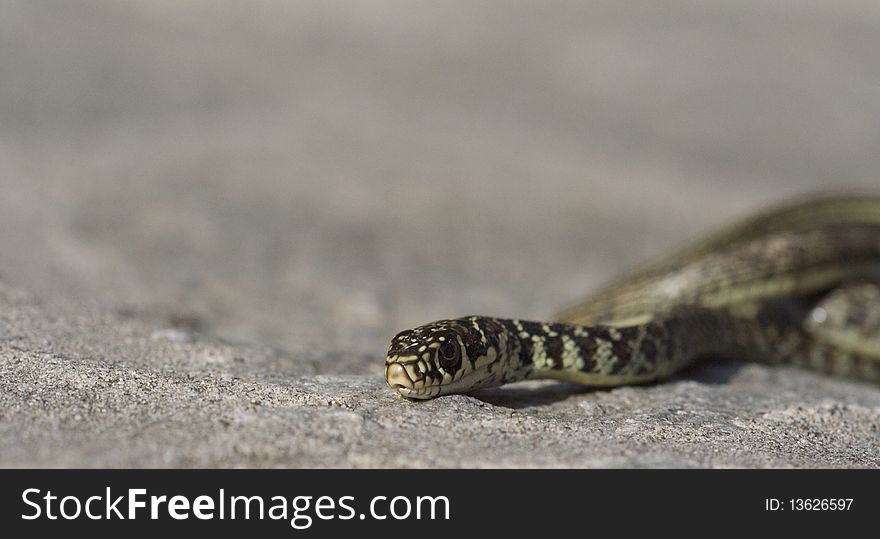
x=604, y=355
x=600, y=355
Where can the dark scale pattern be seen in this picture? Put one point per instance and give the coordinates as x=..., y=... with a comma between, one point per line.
x=532, y=328
x=526, y=350
x=587, y=348
x=553, y=346
x=514, y=342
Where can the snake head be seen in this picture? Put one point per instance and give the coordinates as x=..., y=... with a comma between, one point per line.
x=447, y=356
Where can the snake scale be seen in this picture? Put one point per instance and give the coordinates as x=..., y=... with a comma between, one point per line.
x=798, y=284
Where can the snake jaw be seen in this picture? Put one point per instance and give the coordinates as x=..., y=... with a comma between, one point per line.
x=404, y=374
x=398, y=377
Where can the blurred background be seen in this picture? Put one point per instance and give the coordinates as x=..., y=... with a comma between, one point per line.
x=319, y=175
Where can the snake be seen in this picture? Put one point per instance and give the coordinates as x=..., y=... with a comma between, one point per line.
x=795, y=284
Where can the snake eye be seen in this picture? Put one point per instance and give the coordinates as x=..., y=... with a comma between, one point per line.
x=448, y=355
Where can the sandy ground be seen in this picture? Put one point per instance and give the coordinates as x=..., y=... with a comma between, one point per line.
x=215, y=214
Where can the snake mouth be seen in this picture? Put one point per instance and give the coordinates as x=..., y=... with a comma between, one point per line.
x=418, y=394
x=429, y=392
x=397, y=377
x=404, y=375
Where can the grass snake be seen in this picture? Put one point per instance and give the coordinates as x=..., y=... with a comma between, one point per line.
x=797, y=284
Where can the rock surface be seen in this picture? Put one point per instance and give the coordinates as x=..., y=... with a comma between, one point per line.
x=213, y=216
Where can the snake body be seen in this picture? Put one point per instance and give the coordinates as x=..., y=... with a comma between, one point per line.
x=797, y=284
